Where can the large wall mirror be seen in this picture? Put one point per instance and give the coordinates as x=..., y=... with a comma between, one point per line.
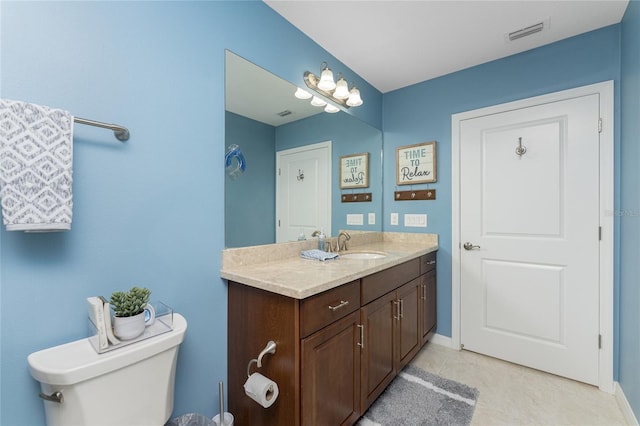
x=264, y=119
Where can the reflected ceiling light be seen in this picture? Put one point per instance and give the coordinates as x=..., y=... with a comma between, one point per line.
x=338, y=93
x=316, y=101
x=331, y=108
x=302, y=94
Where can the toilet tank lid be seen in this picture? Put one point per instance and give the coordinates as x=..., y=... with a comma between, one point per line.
x=77, y=361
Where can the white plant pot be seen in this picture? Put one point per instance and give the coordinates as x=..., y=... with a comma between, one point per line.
x=127, y=328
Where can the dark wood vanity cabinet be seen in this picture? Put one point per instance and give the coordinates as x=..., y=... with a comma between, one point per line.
x=336, y=351
x=391, y=325
x=330, y=382
x=428, y=296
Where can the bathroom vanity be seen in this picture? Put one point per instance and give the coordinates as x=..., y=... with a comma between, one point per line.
x=344, y=328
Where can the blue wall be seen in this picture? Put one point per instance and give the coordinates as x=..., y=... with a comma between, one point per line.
x=250, y=207
x=148, y=212
x=629, y=213
x=422, y=112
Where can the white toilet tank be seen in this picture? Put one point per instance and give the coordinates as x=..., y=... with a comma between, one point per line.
x=132, y=385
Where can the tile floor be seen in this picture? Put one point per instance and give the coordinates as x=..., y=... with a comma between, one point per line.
x=514, y=395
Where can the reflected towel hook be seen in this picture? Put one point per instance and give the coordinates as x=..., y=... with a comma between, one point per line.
x=521, y=149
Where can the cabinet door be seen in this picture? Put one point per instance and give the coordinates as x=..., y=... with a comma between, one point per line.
x=409, y=339
x=378, y=368
x=428, y=297
x=331, y=374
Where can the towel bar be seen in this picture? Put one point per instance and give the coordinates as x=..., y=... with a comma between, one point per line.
x=121, y=133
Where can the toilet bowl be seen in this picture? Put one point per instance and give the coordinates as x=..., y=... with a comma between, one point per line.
x=133, y=385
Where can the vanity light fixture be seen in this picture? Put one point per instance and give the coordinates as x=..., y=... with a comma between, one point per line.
x=338, y=93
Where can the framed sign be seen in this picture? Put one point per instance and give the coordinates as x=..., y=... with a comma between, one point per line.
x=416, y=163
x=354, y=171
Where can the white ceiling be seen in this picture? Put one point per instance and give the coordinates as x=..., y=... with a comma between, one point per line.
x=394, y=44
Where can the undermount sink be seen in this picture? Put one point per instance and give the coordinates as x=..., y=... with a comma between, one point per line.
x=363, y=255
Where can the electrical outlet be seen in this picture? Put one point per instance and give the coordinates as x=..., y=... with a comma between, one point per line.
x=394, y=218
x=372, y=218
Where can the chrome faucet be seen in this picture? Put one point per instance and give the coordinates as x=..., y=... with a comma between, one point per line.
x=347, y=237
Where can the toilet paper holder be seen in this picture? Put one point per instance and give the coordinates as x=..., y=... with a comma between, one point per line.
x=269, y=349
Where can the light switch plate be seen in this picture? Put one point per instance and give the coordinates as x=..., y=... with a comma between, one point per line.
x=355, y=219
x=394, y=218
x=372, y=218
x=415, y=220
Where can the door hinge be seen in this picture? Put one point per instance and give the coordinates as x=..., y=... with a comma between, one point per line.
x=278, y=171
x=278, y=223
x=599, y=233
x=599, y=341
x=599, y=125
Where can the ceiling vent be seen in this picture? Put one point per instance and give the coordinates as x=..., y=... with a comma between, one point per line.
x=284, y=113
x=524, y=32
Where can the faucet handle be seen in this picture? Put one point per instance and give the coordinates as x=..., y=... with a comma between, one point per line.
x=327, y=246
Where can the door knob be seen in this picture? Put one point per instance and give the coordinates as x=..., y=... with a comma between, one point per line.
x=469, y=246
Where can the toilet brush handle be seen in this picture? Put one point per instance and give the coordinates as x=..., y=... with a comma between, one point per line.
x=221, y=388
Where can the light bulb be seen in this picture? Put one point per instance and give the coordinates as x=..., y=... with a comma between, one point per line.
x=342, y=90
x=326, y=82
x=354, y=97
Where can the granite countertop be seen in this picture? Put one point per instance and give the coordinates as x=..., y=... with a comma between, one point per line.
x=286, y=273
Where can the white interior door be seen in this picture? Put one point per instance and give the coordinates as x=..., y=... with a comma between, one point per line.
x=529, y=277
x=303, y=191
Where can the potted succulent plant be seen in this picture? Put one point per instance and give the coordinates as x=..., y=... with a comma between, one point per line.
x=129, y=308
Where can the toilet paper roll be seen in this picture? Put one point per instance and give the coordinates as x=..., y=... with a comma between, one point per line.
x=261, y=389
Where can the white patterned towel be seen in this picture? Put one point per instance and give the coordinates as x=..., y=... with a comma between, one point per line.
x=36, y=157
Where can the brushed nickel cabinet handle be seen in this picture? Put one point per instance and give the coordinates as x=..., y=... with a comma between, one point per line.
x=342, y=304
x=361, y=342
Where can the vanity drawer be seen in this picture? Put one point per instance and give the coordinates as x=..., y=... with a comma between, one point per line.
x=427, y=262
x=381, y=283
x=324, y=308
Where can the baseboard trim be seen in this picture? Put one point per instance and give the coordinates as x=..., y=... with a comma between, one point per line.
x=624, y=405
x=439, y=339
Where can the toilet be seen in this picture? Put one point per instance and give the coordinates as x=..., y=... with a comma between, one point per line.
x=132, y=385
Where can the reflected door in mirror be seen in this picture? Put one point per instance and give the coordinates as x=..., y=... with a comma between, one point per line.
x=303, y=191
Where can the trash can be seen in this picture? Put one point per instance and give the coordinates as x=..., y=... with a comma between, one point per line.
x=191, y=419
